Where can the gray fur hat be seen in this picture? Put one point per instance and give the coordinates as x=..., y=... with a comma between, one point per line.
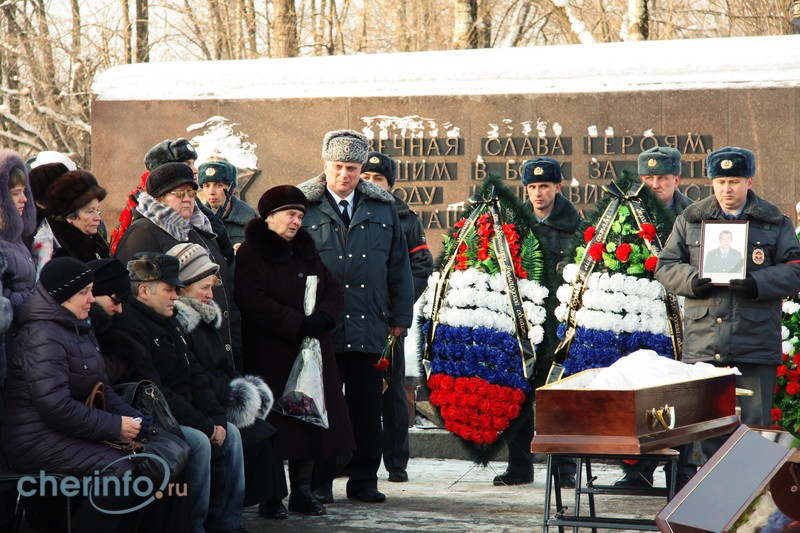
x=345, y=146
x=660, y=160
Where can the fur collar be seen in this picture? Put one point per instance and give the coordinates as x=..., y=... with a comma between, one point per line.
x=563, y=217
x=12, y=225
x=169, y=220
x=190, y=312
x=708, y=209
x=314, y=189
x=276, y=249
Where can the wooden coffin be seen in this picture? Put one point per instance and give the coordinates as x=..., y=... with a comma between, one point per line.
x=573, y=419
x=750, y=484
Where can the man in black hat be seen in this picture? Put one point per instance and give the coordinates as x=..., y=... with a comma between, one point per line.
x=360, y=240
x=740, y=323
x=382, y=171
x=557, y=220
x=215, y=444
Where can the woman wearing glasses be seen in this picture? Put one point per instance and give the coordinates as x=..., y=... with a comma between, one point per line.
x=73, y=206
x=167, y=215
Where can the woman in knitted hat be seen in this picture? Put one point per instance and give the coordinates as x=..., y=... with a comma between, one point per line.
x=52, y=370
x=247, y=399
x=167, y=215
x=73, y=205
x=272, y=265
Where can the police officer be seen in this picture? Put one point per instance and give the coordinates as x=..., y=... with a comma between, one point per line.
x=557, y=220
x=382, y=171
x=660, y=169
x=740, y=323
x=356, y=229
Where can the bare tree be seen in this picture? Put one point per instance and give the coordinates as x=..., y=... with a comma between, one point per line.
x=285, y=29
x=142, y=31
x=638, y=20
x=466, y=12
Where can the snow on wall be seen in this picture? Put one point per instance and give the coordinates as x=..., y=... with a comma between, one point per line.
x=219, y=139
x=742, y=62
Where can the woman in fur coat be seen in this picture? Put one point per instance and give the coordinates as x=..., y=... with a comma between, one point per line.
x=271, y=269
x=247, y=399
x=73, y=205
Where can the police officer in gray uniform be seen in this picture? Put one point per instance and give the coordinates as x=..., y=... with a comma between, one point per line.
x=737, y=324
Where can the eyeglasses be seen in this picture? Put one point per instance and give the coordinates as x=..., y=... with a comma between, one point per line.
x=191, y=193
x=118, y=299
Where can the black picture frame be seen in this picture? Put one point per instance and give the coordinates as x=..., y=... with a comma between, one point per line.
x=723, y=250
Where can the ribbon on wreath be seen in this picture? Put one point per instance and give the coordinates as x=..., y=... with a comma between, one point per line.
x=503, y=252
x=631, y=199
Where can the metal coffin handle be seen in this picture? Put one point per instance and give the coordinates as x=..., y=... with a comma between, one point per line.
x=663, y=416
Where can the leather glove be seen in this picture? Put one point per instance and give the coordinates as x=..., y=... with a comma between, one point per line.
x=746, y=288
x=702, y=287
x=313, y=325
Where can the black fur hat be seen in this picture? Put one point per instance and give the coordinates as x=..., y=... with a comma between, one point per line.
x=168, y=176
x=383, y=165
x=280, y=198
x=71, y=191
x=169, y=151
x=43, y=176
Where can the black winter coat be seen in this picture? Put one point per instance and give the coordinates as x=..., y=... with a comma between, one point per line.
x=54, y=366
x=418, y=252
x=183, y=381
x=144, y=235
x=556, y=231
x=74, y=243
x=270, y=279
x=125, y=359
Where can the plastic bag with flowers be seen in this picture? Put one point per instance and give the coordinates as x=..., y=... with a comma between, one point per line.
x=786, y=401
x=484, y=315
x=609, y=304
x=304, y=396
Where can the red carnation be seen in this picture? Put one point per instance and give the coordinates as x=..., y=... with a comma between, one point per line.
x=776, y=414
x=648, y=232
x=793, y=375
x=381, y=365
x=782, y=371
x=588, y=235
x=796, y=359
x=623, y=251
x=785, y=357
x=792, y=388
x=650, y=263
x=596, y=251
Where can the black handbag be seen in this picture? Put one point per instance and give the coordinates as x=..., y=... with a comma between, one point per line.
x=147, y=398
x=171, y=449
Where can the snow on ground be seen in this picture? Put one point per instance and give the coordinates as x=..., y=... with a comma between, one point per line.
x=742, y=62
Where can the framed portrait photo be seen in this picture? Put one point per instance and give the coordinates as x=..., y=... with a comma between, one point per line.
x=723, y=250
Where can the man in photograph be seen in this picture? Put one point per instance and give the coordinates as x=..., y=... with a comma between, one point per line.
x=723, y=258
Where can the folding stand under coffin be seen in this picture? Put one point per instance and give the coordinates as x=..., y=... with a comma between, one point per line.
x=573, y=421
